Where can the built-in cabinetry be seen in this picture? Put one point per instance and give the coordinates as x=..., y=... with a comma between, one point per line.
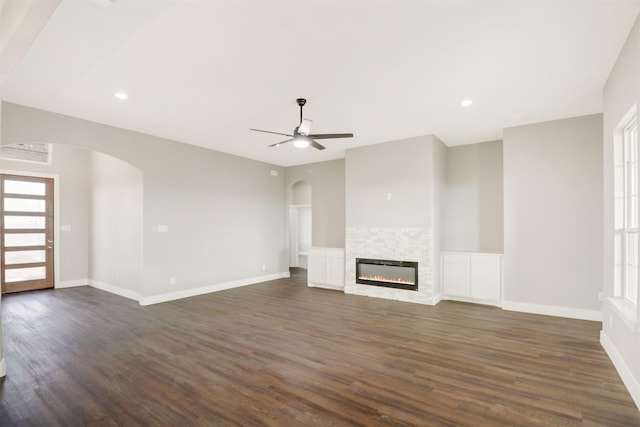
x=326, y=268
x=472, y=276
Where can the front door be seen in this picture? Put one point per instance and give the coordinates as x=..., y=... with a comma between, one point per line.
x=26, y=228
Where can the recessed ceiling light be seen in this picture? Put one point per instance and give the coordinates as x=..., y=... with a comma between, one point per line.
x=466, y=102
x=121, y=95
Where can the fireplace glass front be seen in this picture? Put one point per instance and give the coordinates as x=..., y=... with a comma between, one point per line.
x=389, y=273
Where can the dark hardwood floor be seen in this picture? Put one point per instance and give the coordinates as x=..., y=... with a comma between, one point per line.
x=282, y=354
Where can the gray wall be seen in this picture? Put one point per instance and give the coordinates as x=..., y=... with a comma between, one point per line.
x=621, y=93
x=225, y=214
x=403, y=170
x=473, y=199
x=553, y=213
x=71, y=164
x=327, y=183
x=116, y=223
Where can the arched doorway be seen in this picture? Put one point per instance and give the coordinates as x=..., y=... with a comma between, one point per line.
x=300, y=223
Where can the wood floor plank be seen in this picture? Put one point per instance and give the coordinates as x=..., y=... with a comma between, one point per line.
x=282, y=354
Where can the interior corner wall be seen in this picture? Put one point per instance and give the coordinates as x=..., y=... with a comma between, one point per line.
x=472, y=219
x=553, y=217
x=439, y=166
x=71, y=165
x=116, y=225
x=620, y=94
x=327, y=181
x=222, y=216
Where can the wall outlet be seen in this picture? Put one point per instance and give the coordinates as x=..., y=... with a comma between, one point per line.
x=117, y=276
x=600, y=296
x=388, y=196
x=264, y=267
x=172, y=280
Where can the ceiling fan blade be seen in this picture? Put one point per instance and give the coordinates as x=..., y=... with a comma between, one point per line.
x=268, y=131
x=314, y=144
x=305, y=127
x=280, y=143
x=331, y=135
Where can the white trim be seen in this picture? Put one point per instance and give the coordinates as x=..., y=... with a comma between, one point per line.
x=626, y=311
x=127, y=293
x=632, y=384
x=552, y=310
x=72, y=283
x=325, y=286
x=170, y=296
x=435, y=300
x=3, y=368
x=494, y=303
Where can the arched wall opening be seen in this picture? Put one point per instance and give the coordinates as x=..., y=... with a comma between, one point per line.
x=300, y=223
x=98, y=206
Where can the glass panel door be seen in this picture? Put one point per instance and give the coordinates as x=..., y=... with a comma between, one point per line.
x=26, y=228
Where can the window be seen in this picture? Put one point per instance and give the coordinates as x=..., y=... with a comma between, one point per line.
x=630, y=253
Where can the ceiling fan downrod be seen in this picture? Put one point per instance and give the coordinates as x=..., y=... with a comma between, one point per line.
x=301, y=102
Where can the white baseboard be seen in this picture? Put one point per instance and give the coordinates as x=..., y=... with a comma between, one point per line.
x=72, y=283
x=320, y=285
x=476, y=301
x=552, y=310
x=632, y=384
x=3, y=368
x=127, y=293
x=436, y=298
x=170, y=296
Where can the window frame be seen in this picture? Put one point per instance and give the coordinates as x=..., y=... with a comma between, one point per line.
x=631, y=259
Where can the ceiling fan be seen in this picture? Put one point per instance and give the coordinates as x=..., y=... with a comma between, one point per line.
x=301, y=137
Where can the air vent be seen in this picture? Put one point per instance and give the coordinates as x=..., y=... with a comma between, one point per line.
x=38, y=153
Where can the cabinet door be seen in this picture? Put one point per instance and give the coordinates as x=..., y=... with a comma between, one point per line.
x=455, y=275
x=335, y=270
x=485, y=277
x=316, y=269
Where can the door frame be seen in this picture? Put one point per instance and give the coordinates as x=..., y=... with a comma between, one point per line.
x=56, y=215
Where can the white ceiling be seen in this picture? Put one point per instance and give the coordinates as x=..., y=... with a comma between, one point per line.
x=204, y=72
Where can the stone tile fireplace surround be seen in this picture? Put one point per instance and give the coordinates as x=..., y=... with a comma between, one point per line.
x=400, y=244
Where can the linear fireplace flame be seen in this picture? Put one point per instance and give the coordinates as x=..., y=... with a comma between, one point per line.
x=389, y=273
x=387, y=279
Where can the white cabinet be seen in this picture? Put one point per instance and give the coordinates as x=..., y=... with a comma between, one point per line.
x=455, y=275
x=326, y=268
x=474, y=277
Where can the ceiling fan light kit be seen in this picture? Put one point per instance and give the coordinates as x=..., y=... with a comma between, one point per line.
x=301, y=137
x=300, y=142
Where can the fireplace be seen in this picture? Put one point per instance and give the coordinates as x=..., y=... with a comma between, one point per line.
x=388, y=273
